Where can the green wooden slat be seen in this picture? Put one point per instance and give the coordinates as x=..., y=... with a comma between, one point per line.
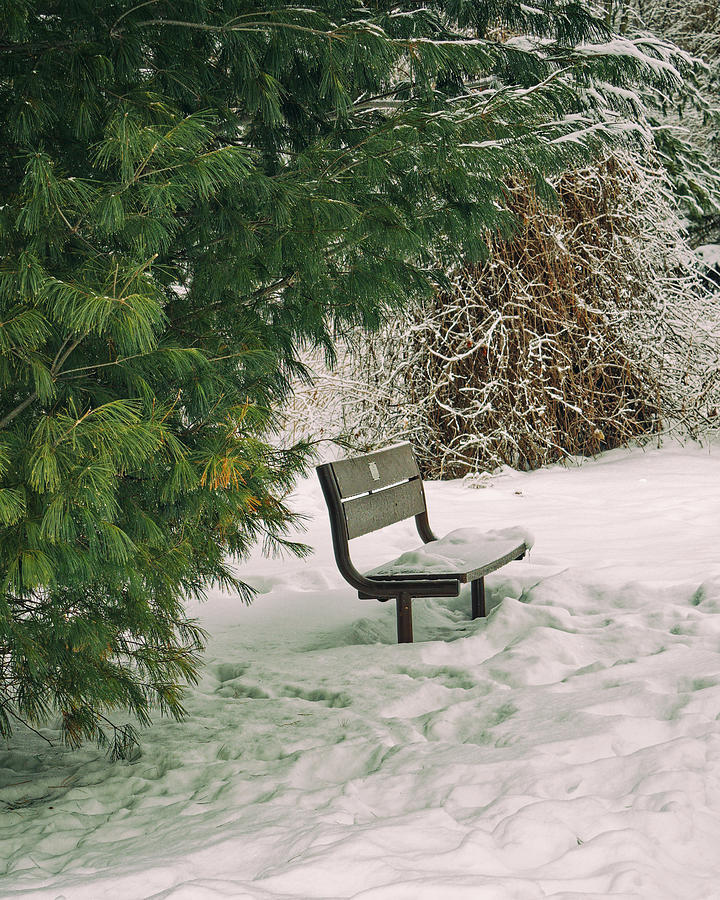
x=374, y=471
x=371, y=511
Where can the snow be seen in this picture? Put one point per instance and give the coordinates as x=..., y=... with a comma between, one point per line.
x=653, y=53
x=566, y=747
x=458, y=551
x=709, y=254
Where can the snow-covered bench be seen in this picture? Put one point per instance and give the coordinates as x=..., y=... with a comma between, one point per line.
x=368, y=492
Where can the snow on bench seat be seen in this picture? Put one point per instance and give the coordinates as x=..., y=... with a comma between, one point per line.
x=465, y=554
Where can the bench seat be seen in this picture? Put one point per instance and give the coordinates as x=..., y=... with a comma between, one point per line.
x=464, y=554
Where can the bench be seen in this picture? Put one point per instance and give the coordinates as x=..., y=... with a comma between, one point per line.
x=368, y=492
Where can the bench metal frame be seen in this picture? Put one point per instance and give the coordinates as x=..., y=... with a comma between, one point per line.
x=367, y=492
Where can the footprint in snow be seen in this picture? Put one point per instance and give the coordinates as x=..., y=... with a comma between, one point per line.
x=447, y=676
x=240, y=691
x=332, y=699
x=229, y=671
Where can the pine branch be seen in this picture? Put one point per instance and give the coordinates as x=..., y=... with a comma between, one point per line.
x=18, y=409
x=248, y=27
x=27, y=725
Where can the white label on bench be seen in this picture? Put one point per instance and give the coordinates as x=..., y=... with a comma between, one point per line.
x=374, y=471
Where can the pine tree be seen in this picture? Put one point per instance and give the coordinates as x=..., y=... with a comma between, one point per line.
x=189, y=192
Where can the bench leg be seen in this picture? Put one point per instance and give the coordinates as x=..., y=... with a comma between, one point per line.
x=404, y=619
x=477, y=595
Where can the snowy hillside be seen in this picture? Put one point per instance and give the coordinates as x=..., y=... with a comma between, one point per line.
x=566, y=747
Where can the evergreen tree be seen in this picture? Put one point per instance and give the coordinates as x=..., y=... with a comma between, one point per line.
x=189, y=191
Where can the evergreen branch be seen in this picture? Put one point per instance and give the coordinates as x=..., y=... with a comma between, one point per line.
x=276, y=286
x=251, y=27
x=136, y=273
x=123, y=359
x=18, y=718
x=174, y=404
x=491, y=104
x=54, y=371
x=59, y=354
x=129, y=12
x=61, y=437
x=60, y=359
x=18, y=409
x=196, y=426
x=286, y=281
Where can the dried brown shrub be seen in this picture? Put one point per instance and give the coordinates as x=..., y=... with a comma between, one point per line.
x=529, y=361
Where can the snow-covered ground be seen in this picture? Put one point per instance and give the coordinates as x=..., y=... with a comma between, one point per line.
x=566, y=747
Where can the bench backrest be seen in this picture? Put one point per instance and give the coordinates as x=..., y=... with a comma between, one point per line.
x=375, y=489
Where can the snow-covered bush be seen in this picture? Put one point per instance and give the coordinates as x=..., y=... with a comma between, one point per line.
x=587, y=328
x=685, y=127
